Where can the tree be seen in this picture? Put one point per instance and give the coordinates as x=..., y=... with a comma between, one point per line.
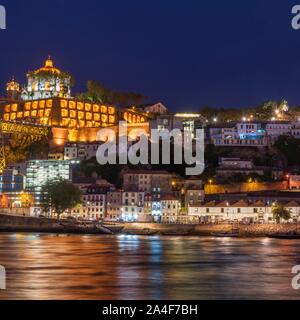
x=99, y=93
x=59, y=196
x=289, y=147
x=281, y=212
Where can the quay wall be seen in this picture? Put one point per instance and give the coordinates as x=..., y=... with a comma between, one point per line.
x=252, y=230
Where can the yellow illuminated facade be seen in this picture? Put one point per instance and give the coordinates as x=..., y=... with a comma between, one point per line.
x=66, y=113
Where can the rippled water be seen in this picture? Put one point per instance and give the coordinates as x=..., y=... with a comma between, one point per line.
x=43, y=266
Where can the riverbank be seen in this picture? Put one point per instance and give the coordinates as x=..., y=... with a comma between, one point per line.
x=11, y=223
x=253, y=230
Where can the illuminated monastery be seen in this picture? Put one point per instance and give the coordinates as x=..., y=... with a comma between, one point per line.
x=47, y=82
x=46, y=100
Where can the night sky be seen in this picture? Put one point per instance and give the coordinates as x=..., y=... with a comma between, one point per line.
x=186, y=54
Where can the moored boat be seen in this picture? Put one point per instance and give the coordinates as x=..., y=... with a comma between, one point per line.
x=176, y=233
x=142, y=232
x=226, y=234
x=288, y=235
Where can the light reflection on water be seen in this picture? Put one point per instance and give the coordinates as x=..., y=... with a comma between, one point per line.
x=43, y=266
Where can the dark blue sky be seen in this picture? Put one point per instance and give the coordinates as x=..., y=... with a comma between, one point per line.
x=186, y=54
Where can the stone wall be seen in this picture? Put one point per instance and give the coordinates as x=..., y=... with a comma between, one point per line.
x=244, y=187
x=207, y=229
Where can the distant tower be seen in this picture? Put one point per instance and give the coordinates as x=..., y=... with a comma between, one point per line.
x=13, y=89
x=47, y=82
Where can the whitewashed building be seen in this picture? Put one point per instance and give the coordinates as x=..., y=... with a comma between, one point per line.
x=241, y=211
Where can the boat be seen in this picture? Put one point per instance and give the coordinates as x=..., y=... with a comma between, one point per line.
x=226, y=234
x=234, y=233
x=115, y=228
x=142, y=232
x=176, y=233
x=288, y=235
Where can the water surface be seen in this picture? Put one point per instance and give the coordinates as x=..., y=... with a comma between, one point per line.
x=43, y=266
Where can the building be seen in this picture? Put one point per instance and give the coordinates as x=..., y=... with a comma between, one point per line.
x=114, y=205
x=157, y=108
x=94, y=203
x=47, y=100
x=236, y=163
x=170, y=209
x=296, y=130
x=276, y=129
x=47, y=82
x=132, y=206
x=13, y=89
x=236, y=166
x=11, y=181
x=242, y=211
x=243, y=134
x=55, y=155
x=293, y=181
x=39, y=172
x=159, y=182
x=80, y=150
x=189, y=122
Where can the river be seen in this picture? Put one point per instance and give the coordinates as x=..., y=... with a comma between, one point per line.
x=44, y=266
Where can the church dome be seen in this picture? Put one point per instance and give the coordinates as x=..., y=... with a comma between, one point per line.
x=48, y=67
x=12, y=86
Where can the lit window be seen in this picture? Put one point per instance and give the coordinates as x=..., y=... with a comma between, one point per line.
x=80, y=115
x=42, y=104
x=64, y=103
x=47, y=112
x=27, y=106
x=64, y=112
x=49, y=103
x=72, y=105
x=80, y=106
x=103, y=109
x=73, y=114
x=73, y=123
x=96, y=108
x=104, y=118
x=88, y=107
